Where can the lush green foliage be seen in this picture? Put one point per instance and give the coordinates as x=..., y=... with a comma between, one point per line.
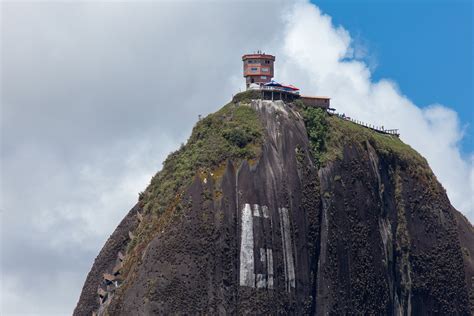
x=299, y=105
x=329, y=134
x=239, y=137
x=345, y=132
x=247, y=96
x=317, y=128
x=233, y=132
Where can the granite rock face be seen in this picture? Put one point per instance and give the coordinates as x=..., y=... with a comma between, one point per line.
x=89, y=300
x=365, y=234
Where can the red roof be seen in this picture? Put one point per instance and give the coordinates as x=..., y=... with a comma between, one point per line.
x=258, y=56
x=290, y=87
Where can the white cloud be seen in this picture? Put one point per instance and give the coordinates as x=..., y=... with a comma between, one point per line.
x=95, y=95
x=322, y=56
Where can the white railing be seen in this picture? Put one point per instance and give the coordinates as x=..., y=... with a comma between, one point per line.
x=379, y=129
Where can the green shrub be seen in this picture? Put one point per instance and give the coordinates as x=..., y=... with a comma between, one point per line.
x=247, y=96
x=317, y=129
x=299, y=105
x=237, y=137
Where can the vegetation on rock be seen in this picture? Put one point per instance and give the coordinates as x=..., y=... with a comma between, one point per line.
x=346, y=132
x=233, y=132
x=328, y=134
x=317, y=128
x=247, y=96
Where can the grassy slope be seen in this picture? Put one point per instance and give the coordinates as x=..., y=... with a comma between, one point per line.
x=232, y=132
x=342, y=131
x=329, y=134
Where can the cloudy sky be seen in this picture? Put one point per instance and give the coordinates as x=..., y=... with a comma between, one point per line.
x=95, y=95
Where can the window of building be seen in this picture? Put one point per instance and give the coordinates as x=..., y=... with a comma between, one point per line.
x=251, y=61
x=265, y=69
x=253, y=69
x=263, y=77
x=267, y=61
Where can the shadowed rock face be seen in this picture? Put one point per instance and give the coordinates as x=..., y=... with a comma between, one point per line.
x=364, y=234
x=391, y=244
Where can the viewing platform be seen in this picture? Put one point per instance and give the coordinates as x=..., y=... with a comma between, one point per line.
x=258, y=70
x=276, y=93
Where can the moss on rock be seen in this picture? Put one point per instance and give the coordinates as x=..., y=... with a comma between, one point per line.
x=233, y=132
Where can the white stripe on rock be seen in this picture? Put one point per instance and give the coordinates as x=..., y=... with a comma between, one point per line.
x=287, y=248
x=270, y=268
x=247, y=274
